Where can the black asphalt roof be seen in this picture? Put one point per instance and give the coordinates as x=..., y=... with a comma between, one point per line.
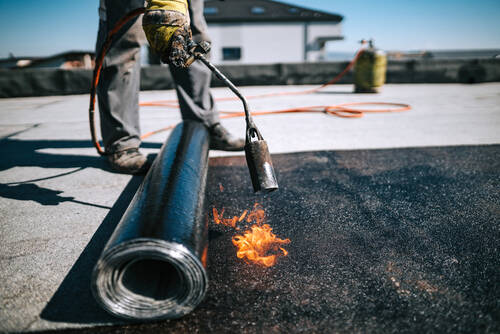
x=232, y=11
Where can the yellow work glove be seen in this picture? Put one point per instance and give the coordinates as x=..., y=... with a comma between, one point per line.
x=166, y=24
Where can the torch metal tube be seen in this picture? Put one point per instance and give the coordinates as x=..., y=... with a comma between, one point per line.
x=153, y=266
x=231, y=86
x=257, y=154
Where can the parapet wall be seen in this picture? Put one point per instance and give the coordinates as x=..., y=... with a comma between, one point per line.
x=43, y=82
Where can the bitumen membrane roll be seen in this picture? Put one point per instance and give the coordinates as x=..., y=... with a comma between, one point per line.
x=153, y=266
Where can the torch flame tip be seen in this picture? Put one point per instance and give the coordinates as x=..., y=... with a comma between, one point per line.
x=257, y=244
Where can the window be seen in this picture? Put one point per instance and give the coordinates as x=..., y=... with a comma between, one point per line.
x=258, y=10
x=231, y=53
x=293, y=10
x=210, y=10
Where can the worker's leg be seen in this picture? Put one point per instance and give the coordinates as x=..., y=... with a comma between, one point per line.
x=118, y=90
x=193, y=89
x=193, y=84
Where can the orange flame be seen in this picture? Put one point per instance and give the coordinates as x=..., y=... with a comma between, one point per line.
x=231, y=222
x=257, y=244
x=258, y=215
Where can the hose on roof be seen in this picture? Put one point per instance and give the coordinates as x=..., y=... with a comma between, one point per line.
x=345, y=110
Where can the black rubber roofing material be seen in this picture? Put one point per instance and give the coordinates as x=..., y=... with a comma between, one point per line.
x=397, y=240
x=153, y=266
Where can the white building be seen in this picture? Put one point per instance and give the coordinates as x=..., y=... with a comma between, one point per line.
x=265, y=31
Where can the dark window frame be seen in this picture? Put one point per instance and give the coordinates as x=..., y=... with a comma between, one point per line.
x=258, y=10
x=231, y=53
x=211, y=10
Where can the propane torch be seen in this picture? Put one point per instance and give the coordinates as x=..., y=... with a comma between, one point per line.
x=256, y=149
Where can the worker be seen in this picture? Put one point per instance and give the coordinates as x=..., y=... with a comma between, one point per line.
x=169, y=25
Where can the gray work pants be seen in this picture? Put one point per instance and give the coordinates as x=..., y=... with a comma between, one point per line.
x=119, y=84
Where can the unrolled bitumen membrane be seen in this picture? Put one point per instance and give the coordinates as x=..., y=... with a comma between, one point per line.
x=382, y=241
x=153, y=266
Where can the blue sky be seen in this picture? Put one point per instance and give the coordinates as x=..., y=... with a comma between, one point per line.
x=50, y=26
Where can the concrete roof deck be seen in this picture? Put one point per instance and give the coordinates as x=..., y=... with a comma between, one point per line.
x=57, y=196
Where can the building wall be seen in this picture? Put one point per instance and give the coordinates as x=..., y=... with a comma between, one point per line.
x=317, y=29
x=259, y=43
x=262, y=43
x=316, y=32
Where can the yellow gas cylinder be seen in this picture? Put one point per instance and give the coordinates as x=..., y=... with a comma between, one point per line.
x=370, y=70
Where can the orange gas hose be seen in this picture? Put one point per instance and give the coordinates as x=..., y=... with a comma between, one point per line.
x=345, y=110
x=173, y=103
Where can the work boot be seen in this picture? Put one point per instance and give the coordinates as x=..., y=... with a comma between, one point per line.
x=129, y=161
x=221, y=139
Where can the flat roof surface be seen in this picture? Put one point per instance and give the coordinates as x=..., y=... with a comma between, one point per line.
x=437, y=226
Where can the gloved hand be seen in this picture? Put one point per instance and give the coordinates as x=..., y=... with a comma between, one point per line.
x=166, y=24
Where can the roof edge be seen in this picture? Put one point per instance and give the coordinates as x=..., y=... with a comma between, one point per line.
x=327, y=16
x=340, y=17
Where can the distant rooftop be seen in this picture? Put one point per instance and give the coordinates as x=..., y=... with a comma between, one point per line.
x=444, y=54
x=67, y=59
x=237, y=11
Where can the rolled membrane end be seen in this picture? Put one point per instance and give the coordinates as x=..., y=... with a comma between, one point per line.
x=149, y=279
